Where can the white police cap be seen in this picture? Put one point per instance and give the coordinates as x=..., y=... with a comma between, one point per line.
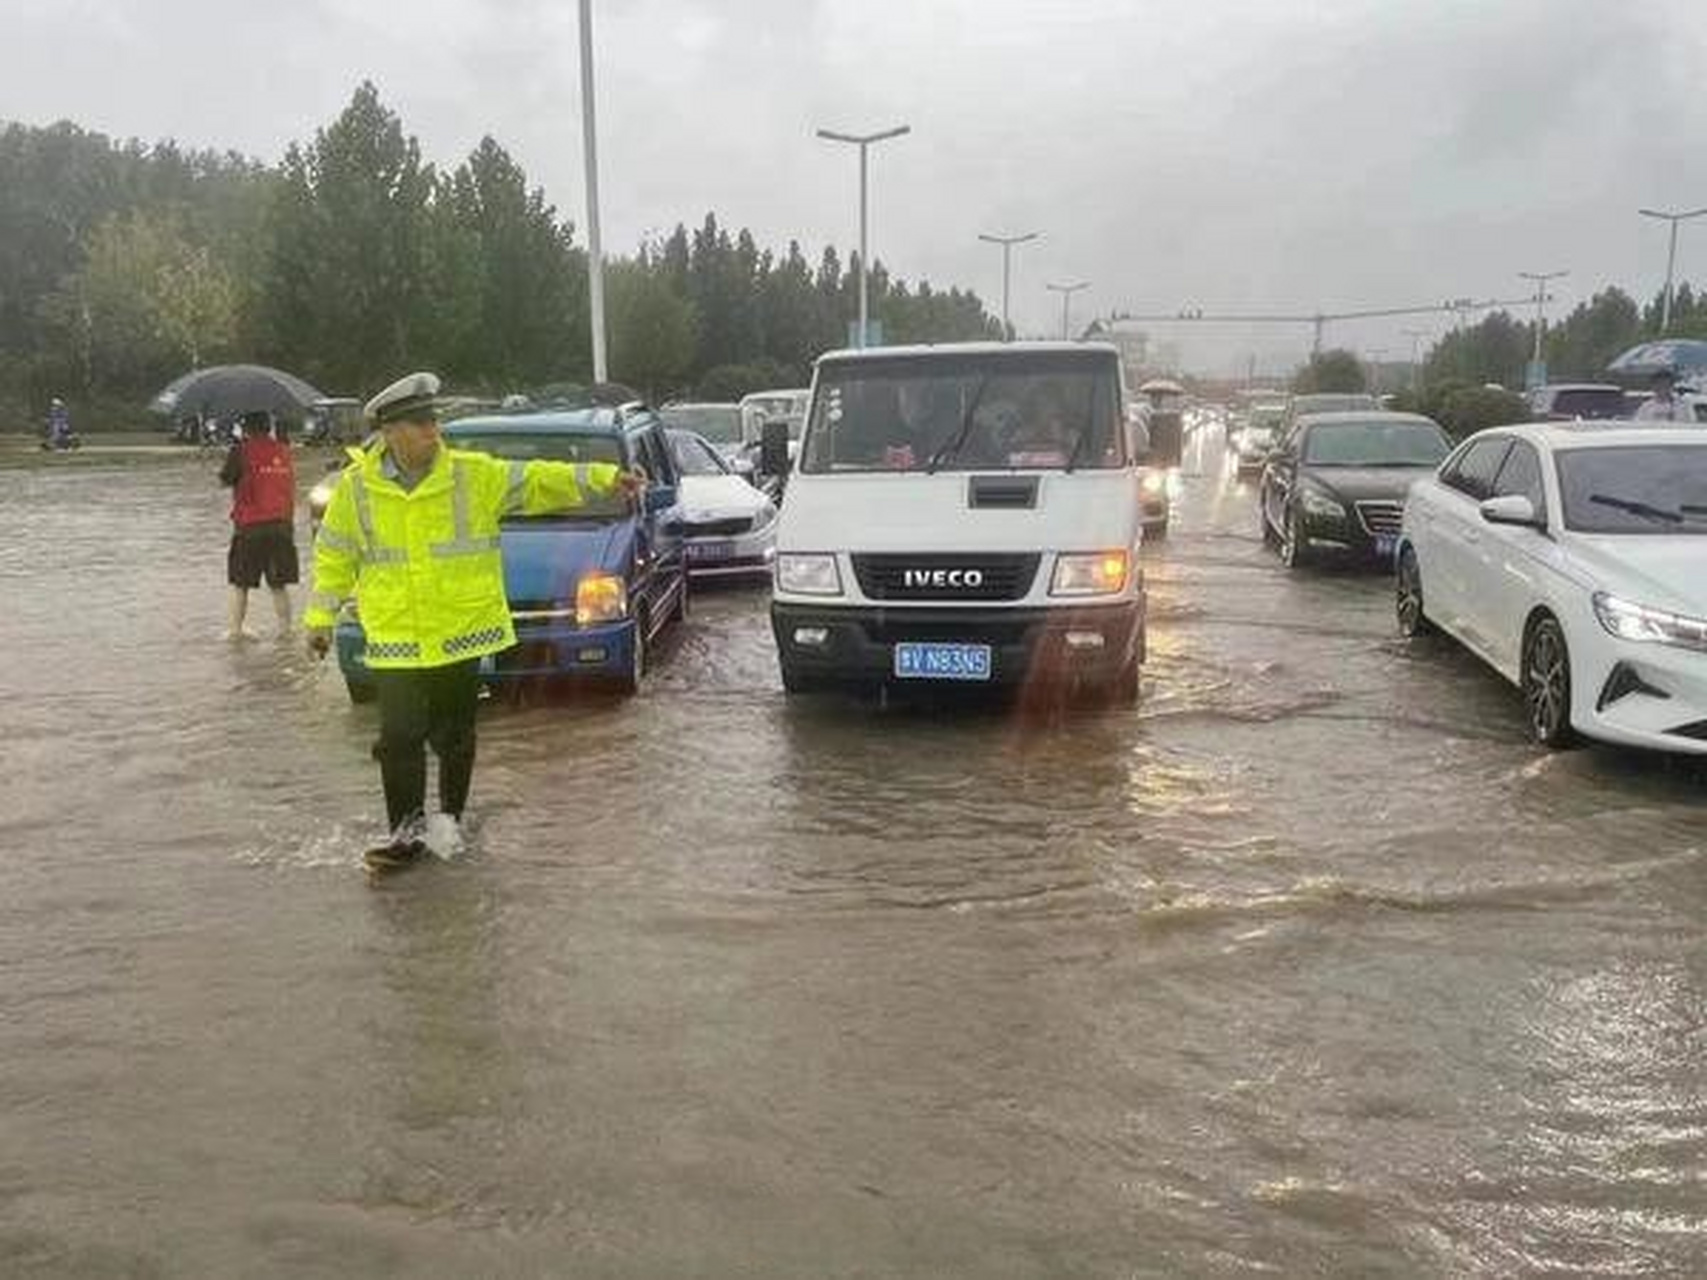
x=403, y=399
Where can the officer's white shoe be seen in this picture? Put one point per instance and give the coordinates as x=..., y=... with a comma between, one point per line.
x=443, y=835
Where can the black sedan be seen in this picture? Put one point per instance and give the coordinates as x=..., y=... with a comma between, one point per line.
x=1337, y=483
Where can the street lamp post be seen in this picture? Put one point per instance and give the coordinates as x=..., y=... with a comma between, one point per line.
x=1007, y=243
x=1540, y=278
x=595, y=252
x=1671, y=255
x=863, y=142
x=1416, y=336
x=1066, y=291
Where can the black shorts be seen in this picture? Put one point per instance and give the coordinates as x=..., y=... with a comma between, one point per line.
x=262, y=549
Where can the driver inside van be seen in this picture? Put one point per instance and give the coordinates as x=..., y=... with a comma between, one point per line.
x=916, y=426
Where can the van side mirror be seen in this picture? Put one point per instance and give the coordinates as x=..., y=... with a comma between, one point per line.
x=660, y=497
x=773, y=449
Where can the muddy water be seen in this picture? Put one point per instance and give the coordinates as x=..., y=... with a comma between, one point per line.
x=1310, y=964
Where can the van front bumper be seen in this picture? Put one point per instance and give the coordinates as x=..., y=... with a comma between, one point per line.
x=855, y=644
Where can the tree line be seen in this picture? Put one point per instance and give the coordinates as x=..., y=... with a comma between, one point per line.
x=123, y=264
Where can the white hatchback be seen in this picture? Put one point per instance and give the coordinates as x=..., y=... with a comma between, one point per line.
x=1572, y=557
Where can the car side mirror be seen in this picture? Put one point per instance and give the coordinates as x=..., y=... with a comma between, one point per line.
x=1511, y=508
x=773, y=449
x=660, y=497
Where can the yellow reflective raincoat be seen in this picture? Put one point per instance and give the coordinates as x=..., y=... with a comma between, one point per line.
x=424, y=562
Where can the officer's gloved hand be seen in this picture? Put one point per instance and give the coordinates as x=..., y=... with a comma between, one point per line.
x=319, y=641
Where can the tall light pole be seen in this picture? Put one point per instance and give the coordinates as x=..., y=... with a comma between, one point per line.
x=1007, y=243
x=1671, y=256
x=863, y=142
x=590, y=149
x=1540, y=278
x=1066, y=291
x=1416, y=336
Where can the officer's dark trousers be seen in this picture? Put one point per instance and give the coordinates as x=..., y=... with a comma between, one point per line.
x=416, y=707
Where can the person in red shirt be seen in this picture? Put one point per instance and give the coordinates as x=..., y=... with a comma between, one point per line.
x=263, y=481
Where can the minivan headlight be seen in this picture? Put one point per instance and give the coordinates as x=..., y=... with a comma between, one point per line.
x=1630, y=621
x=1098, y=573
x=808, y=574
x=600, y=597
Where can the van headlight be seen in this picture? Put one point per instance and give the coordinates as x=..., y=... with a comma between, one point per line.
x=808, y=574
x=1097, y=573
x=1630, y=621
x=600, y=597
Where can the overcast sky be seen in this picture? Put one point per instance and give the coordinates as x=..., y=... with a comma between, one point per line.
x=1224, y=154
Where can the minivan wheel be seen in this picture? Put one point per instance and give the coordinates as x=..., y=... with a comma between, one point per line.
x=1413, y=621
x=1547, y=684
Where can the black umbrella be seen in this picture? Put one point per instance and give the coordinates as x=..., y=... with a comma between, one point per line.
x=227, y=389
x=1686, y=357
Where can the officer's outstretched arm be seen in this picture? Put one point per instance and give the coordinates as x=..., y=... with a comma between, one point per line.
x=539, y=488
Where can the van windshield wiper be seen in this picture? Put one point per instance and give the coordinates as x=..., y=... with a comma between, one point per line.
x=1644, y=509
x=953, y=445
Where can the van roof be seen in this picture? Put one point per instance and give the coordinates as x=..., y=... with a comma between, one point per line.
x=968, y=349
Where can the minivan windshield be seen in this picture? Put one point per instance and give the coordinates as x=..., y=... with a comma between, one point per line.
x=718, y=423
x=1635, y=489
x=1046, y=410
x=1375, y=444
x=552, y=447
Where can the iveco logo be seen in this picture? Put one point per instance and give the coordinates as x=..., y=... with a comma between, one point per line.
x=969, y=578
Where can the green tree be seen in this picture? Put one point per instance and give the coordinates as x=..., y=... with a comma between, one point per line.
x=347, y=286
x=653, y=331
x=145, y=304
x=531, y=324
x=1581, y=345
x=1494, y=351
x=1332, y=370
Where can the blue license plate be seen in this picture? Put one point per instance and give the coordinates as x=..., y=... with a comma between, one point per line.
x=1385, y=545
x=942, y=661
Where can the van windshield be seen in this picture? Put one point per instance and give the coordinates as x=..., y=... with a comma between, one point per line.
x=553, y=447
x=1020, y=411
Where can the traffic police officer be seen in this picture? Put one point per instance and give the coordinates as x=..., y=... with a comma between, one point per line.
x=411, y=533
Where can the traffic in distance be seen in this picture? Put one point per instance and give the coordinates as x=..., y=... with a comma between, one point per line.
x=939, y=519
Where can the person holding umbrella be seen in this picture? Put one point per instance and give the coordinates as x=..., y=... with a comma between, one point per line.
x=411, y=533
x=1664, y=405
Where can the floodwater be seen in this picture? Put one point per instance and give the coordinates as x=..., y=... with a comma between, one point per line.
x=1309, y=965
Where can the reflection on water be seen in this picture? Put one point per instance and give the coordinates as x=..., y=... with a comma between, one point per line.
x=1309, y=963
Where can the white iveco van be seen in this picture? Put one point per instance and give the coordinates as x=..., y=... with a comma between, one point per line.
x=963, y=515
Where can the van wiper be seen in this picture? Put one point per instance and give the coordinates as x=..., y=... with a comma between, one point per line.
x=952, y=446
x=1643, y=509
x=1078, y=445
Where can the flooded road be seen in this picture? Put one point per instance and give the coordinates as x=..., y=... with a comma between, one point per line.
x=1309, y=965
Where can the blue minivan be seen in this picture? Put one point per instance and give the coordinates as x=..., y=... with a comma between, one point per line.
x=589, y=590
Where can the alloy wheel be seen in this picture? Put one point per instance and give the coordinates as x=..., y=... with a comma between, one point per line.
x=1409, y=603
x=1547, y=684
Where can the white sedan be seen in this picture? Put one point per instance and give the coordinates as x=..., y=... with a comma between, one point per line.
x=1572, y=558
x=729, y=526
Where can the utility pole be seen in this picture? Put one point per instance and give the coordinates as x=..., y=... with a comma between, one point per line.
x=1540, y=278
x=590, y=156
x=1066, y=291
x=863, y=142
x=1007, y=243
x=1671, y=255
x=1416, y=336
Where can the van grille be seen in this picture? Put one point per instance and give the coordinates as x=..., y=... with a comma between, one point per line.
x=946, y=577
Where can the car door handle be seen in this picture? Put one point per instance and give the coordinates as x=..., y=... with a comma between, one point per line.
x=1472, y=535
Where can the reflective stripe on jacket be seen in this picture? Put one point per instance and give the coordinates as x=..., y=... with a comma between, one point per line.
x=424, y=562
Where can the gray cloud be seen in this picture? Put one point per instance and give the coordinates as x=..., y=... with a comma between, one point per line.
x=1241, y=153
